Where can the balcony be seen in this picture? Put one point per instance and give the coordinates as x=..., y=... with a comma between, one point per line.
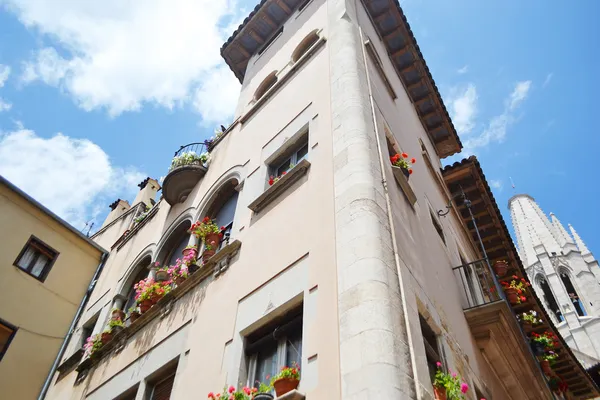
x=188, y=166
x=498, y=333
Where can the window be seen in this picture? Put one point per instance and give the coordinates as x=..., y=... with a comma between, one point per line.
x=129, y=394
x=162, y=389
x=266, y=84
x=437, y=226
x=431, y=347
x=298, y=153
x=141, y=274
x=379, y=68
x=305, y=45
x=274, y=346
x=36, y=258
x=223, y=208
x=7, y=333
x=271, y=40
x=174, y=246
x=87, y=329
x=549, y=299
x=577, y=303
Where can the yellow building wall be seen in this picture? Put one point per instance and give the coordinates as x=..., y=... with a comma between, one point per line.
x=42, y=312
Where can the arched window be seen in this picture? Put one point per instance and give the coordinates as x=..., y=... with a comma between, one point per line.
x=173, y=247
x=223, y=206
x=549, y=299
x=140, y=272
x=577, y=303
x=304, y=45
x=266, y=84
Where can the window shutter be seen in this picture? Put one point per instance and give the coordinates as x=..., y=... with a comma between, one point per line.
x=162, y=390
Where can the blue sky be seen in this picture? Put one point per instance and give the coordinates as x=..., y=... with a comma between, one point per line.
x=94, y=96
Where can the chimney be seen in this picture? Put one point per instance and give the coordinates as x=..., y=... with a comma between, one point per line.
x=148, y=189
x=118, y=208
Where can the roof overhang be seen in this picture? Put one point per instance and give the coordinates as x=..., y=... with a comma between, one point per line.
x=466, y=176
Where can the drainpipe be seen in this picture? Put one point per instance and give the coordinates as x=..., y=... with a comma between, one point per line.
x=388, y=203
x=63, y=346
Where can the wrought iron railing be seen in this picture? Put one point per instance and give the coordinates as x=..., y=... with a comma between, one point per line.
x=479, y=284
x=191, y=154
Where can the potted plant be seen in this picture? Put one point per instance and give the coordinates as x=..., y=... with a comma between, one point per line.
x=189, y=158
x=106, y=336
x=162, y=274
x=179, y=272
x=515, y=289
x=448, y=385
x=546, y=339
x=232, y=394
x=149, y=292
x=92, y=345
x=402, y=162
x=547, y=361
x=286, y=380
x=273, y=180
x=117, y=314
x=529, y=319
x=501, y=268
x=263, y=392
x=207, y=253
x=116, y=326
x=191, y=252
x=133, y=314
x=208, y=231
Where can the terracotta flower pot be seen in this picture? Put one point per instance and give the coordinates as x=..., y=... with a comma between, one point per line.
x=155, y=298
x=213, y=239
x=527, y=325
x=439, y=393
x=106, y=337
x=501, y=268
x=162, y=276
x=117, y=314
x=512, y=296
x=133, y=316
x=189, y=251
x=284, y=385
x=545, y=364
x=145, y=305
x=179, y=280
x=207, y=254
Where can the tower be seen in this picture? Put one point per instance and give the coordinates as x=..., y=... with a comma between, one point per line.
x=564, y=273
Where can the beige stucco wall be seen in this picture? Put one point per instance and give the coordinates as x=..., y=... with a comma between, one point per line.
x=289, y=249
x=42, y=311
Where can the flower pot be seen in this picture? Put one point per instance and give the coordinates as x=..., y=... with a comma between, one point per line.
x=527, y=325
x=537, y=348
x=213, y=239
x=133, y=316
x=154, y=298
x=405, y=172
x=284, y=385
x=179, y=280
x=189, y=251
x=501, y=268
x=192, y=268
x=439, y=393
x=116, y=329
x=263, y=396
x=512, y=296
x=207, y=254
x=162, y=276
x=106, y=337
x=145, y=305
x=545, y=364
x=117, y=314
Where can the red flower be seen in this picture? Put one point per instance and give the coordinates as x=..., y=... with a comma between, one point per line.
x=283, y=173
x=211, y=395
x=404, y=155
x=523, y=298
x=515, y=277
x=413, y=160
x=206, y=220
x=231, y=389
x=410, y=171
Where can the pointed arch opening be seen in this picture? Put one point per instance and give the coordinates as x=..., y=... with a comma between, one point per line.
x=549, y=299
x=305, y=45
x=573, y=296
x=265, y=85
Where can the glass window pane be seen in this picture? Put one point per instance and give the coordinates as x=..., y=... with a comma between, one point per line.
x=177, y=251
x=39, y=266
x=266, y=363
x=26, y=258
x=226, y=214
x=302, y=153
x=284, y=167
x=293, y=349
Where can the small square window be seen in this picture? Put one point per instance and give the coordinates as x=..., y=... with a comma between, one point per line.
x=36, y=258
x=296, y=153
x=7, y=332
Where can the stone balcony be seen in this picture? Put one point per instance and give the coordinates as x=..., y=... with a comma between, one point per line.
x=188, y=166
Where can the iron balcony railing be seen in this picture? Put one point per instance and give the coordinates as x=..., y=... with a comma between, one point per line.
x=479, y=284
x=191, y=154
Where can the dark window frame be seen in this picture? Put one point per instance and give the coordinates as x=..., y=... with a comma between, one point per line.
x=38, y=244
x=433, y=353
x=14, y=329
x=291, y=157
x=438, y=227
x=169, y=375
x=271, y=39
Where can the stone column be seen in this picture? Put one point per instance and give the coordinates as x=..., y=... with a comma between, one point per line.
x=374, y=354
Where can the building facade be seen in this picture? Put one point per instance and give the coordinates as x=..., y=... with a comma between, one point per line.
x=564, y=273
x=331, y=258
x=46, y=267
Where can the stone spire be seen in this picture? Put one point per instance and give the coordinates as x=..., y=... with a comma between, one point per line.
x=562, y=235
x=532, y=228
x=580, y=245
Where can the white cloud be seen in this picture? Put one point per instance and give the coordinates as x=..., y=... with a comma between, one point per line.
x=496, y=184
x=463, y=107
x=119, y=55
x=547, y=80
x=519, y=94
x=72, y=177
x=4, y=73
x=463, y=70
x=498, y=125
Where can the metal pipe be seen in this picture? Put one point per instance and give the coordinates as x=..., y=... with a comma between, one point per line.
x=63, y=346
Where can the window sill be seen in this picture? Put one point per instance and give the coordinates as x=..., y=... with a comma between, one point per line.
x=404, y=185
x=279, y=187
x=293, y=395
x=215, y=265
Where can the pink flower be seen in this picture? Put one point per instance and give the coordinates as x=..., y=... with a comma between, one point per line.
x=439, y=364
x=231, y=389
x=156, y=264
x=211, y=395
x=464, y=387
x=454, y=374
